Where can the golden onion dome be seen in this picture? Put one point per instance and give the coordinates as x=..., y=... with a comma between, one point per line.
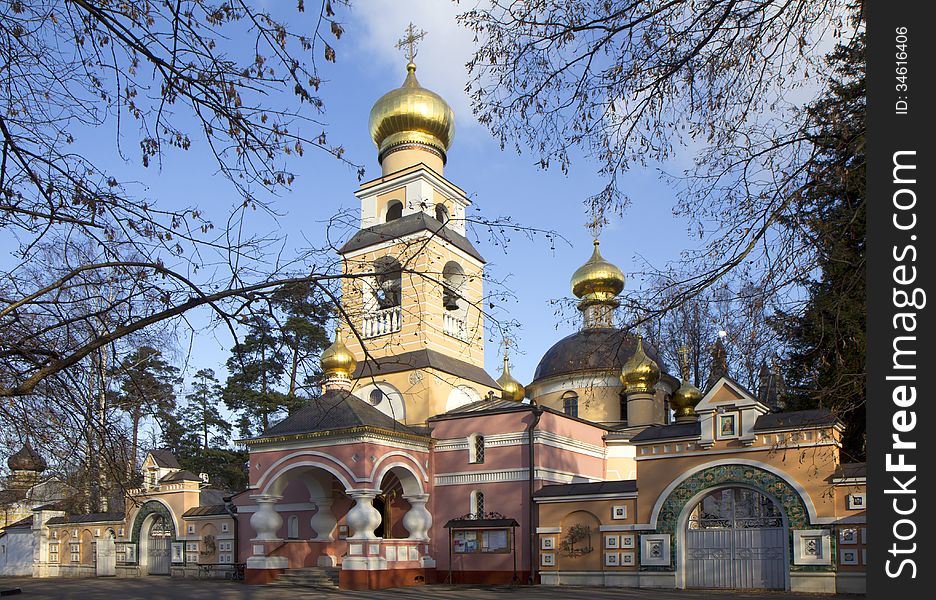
x=685, y=399
x=511, y=389
x=640, y=373
x=597, y=279
x=409, y=115
x=337, y=359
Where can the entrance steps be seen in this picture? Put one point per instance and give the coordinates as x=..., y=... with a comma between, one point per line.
x=310, y=577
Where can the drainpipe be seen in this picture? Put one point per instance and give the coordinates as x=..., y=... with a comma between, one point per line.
x=232, y=510
x=537, y=413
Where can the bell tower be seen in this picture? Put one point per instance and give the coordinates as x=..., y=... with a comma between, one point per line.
x=412, y=290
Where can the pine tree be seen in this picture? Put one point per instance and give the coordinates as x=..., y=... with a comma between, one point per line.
x=256, y=367
x=826, y=366
x=201, y=413
x=147, y=389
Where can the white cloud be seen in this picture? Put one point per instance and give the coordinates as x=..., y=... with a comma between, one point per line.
x=442, y=54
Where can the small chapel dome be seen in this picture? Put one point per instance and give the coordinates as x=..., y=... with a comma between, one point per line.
x=685, y=399
x=27, y=459
x=511, y=389
x=640, y=373
x=597, y=279
x=411, y=115
x=337, y=359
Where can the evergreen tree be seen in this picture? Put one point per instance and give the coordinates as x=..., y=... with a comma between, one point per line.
x=201, y=413
x=256, y=366
x=826, y=366
x=302, y=333
x=147, y=389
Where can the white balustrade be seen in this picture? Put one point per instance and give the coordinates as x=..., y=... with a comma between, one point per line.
x=454, y=327
x=382, y=322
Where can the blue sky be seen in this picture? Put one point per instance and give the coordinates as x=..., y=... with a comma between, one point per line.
x=501, y=184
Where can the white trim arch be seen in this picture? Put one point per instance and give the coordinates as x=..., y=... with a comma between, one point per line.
x=405, y=481
x=376, y=477
x=272, y=472
x=392, y=404
x=804, y=495
x=175, y=520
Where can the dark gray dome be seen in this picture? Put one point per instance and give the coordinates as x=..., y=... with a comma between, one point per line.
x=598, y=349
x=27, y=459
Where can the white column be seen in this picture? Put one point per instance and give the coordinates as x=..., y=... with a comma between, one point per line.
x=323, y=521
x=363, y=518
x=266, y=521
x=418, y=519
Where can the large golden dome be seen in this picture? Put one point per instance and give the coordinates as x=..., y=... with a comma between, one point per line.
x=640, y=373
x=511, y=389
x=412, y=115
x=597, y=280
x=337, y=359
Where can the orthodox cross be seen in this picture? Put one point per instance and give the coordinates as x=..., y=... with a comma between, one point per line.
x=409, y=41
x=595, y=224
x=684, y=362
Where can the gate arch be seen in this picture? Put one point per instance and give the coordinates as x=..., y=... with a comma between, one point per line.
x=151, y=512
x=674, y=510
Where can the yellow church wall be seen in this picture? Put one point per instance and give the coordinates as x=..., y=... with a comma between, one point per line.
x=401, y=159
x=591, y=514
x=425, y=395
x=811, y=468
x=422, y=312
x=599, y=404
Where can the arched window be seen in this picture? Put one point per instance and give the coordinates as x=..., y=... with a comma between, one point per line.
x=292, y=528
x=476, y=448
x=623, y=397
x=441, y=213
x=570, y=404
x=394, y=211
x=389, y=278
x=453, y=284
x=477, y=503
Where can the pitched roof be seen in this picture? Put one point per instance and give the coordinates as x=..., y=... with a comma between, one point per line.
x=418, y=221
x=24, y=523
x=801, y=418
x=623, y=486
x=209, y=496
x=667, y=432
x=89, y=518
x=183, y=475
x=486, y=404
x=165, y=459
x=206, y=511
x=421, y=359
x=851, y=471
x=334, y=410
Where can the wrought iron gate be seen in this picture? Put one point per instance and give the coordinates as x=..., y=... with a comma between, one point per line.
x=735, y=539
x=158, y=551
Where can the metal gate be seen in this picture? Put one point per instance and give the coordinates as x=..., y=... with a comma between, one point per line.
x=106, y=557
x=158, y=547
x=735, y=539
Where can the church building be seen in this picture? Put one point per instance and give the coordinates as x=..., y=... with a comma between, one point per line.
x=417, y=466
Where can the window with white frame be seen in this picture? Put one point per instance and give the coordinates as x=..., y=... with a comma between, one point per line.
x=191, y=552
x=53, y=553
x=224, y=527
x=75, y=551
x=570, y=404
x=477, y=503
x=476, y=448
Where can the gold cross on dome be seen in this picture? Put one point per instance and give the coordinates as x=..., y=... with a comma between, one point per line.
x=596, y=224
x=409, y=41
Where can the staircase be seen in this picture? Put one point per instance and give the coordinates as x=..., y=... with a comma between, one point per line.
x=323, y=578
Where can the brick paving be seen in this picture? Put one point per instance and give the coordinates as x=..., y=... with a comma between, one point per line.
x=165, y=588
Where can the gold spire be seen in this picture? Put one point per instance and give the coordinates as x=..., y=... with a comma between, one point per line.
x=511, y=389
x=337, y=360
x=685, y=399
x=597, y=280
x=411, y=115
x=640, y=373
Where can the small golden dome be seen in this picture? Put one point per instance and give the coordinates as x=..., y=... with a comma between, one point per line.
x=640, y=373
x=597, y=279
x=685, y=399
x=337, y=359
x=411, y=114
x=511, y=389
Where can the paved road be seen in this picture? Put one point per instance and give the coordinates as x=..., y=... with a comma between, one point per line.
x=164, y=588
